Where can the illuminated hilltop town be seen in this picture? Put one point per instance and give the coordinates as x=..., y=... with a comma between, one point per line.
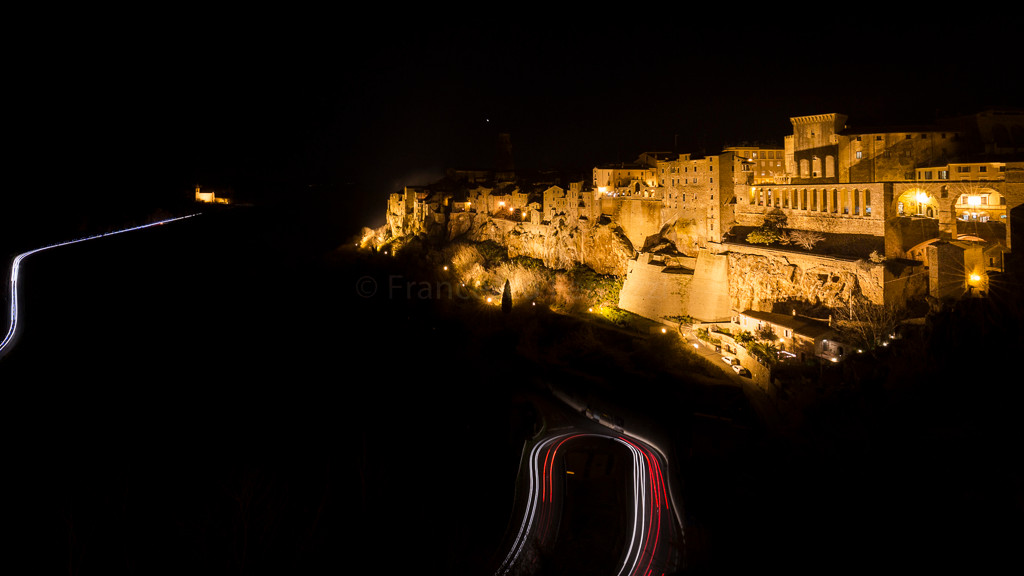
x=760, y=239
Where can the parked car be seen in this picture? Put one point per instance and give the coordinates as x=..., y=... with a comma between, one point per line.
x=728, y=360
x=740, y=370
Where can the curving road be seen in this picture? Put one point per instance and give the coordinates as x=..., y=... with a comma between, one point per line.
x=12, y=330
x=654, y=529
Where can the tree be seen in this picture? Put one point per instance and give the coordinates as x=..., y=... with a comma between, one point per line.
x=806, y=239
x=771, y=230
x=766, y=352
x=762, y=235
x=506, y=298
x=865, y=324
x=774, y=220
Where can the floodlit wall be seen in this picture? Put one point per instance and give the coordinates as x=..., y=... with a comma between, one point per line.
x=639, y=218
x=709, y=297
x=655, y=291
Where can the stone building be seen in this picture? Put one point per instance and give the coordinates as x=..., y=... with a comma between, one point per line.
x=759, y=164
x=574, y=203
x=624, y=179
x=798, y=337
x=700, y=191
x=932, y=204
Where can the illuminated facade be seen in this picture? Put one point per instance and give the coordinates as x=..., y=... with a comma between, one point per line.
x=209, y=197
x=624, y=179
x=760, y=165
x=795, y=336
x=903, y=190
x=701, y=190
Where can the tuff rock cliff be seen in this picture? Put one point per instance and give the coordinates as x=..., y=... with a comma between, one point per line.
x=560, y=244
x=757, y=281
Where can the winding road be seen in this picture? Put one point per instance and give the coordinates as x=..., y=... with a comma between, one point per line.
x=654, y=528
x=12, y=328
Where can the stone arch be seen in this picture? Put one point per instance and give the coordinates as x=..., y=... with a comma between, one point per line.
x=919, y=251
x=915, y=202
x=969, y=190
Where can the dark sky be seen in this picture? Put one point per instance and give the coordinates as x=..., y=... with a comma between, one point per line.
x=269, y=104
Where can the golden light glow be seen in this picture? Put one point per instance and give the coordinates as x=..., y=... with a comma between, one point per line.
x=922, y=197
x=975, y=278
x=974, y=200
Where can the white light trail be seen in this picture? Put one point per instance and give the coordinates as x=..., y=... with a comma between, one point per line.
x=12, y=329
x=649, y=498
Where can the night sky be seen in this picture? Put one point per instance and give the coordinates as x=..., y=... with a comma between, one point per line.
x=310, y=110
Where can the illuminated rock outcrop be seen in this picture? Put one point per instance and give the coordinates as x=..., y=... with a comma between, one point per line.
x=760, y=278
x=560, y=244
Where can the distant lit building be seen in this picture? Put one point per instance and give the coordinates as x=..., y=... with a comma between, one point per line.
x=209, y=197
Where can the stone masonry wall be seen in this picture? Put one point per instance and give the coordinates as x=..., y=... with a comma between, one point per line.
x=640, y=219
x=655, y=291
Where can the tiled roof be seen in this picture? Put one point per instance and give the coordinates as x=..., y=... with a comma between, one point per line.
x=802, y=325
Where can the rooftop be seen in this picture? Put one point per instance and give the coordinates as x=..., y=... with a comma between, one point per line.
x=810, y=327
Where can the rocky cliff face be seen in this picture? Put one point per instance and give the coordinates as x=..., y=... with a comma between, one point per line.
x=757, y=281
x=683, y=235
x=561, y=244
